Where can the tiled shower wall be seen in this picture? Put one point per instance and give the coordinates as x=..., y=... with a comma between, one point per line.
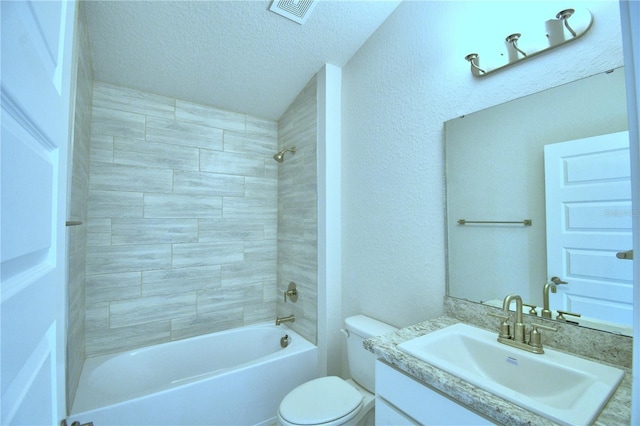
x=182, y=220
x=298, y=212
x=78, y=210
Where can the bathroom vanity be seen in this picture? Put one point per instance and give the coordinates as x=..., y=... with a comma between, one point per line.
x=409, y=390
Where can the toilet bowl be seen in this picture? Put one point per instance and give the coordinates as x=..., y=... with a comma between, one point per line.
x=330, y=401
x=326, y=401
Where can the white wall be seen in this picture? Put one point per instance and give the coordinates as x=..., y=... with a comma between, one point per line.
x=398, y=89
x=329, y=224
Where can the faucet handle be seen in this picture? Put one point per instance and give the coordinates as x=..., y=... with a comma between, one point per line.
x=532, y=309
x=544, y=327
x=505, y=328
x=561, y=314
x=292, y=292
x=535, y=340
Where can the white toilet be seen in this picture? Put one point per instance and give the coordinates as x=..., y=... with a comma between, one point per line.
x=330, y=401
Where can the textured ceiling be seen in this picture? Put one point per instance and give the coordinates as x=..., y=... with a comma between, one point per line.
x=235, y=55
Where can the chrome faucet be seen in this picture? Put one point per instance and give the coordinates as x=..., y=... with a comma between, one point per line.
x=290, y=318
x=517, y=338
x=550, y=285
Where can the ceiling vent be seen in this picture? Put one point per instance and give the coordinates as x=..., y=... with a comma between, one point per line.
x=296, y=10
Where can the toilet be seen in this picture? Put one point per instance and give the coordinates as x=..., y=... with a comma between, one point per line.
x=330, y=401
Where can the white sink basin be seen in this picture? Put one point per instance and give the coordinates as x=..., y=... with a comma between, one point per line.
x=561, y=387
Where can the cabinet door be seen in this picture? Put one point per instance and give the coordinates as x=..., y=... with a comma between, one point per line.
x=388, y=415
x=420, y=402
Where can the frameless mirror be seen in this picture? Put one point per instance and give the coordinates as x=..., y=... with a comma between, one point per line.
x=503, y=221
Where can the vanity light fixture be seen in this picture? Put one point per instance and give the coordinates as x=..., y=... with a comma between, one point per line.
x=558, y=32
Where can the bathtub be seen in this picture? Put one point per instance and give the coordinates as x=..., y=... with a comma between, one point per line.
x=234, y=377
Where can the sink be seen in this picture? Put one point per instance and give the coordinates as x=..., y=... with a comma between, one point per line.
x=556, y=385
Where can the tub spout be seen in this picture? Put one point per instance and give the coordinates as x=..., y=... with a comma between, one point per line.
x=290, y=318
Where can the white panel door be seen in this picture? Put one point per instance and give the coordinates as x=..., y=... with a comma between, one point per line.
x=35, y=85
x=588, y=201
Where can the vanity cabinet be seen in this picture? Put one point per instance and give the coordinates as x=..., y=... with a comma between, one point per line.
x=402, y=400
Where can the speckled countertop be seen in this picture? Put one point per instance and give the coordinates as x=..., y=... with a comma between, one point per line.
x=616, y=412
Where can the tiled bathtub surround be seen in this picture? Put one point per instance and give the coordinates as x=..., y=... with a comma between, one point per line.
x=182, y=220
x=298, y=211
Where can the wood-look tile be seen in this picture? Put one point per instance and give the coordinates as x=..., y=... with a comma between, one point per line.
x=154, y=231
x=261, y=250
x=246, y=273
x=231, y=163
x=183, y=133
x=180, y=280
x=261, y=187
x=120, y=177
x=227, y=230
x=205, y=183
x=151, y=309
x=297, y=207
x=129, y=258
x=101, y=148
x=206, y=323
x=249, y=208
x=98, y=232
x=250, y=144
x=106, y=121
x=157, y=155
x=260, y=312
x=108, y=204
x=97, y=318
x=112, y=340
x=261, y=126
x=209, y=116
x=109, y=287
x=181, y=206
x=201, y=235
x=125, y=99
x=229, y=297
x=207, y=254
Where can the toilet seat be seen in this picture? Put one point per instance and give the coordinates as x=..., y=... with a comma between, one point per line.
x=327, y=400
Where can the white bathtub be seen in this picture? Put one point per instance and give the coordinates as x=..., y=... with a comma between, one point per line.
x=234, y=377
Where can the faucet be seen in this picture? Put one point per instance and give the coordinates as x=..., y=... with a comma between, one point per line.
x=290, y=318
x=550, y=285
x=518, y=325
x=518, y=339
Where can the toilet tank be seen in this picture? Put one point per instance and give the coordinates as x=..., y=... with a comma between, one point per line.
x=361, y=361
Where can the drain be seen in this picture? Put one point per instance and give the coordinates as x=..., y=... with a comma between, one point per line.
x=284, y=341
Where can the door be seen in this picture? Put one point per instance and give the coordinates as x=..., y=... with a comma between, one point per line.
x=589, y=214
x=35, y=85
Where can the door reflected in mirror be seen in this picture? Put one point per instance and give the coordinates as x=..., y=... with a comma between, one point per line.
x=495, y=172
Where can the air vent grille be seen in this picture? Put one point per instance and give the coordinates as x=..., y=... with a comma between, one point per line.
x=296, y=10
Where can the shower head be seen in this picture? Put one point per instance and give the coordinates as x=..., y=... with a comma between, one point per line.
x=279, y=157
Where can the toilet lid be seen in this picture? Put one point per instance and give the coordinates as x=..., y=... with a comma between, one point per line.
x=320, y=401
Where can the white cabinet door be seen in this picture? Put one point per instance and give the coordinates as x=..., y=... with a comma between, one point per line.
x=588, y=201
x=403, y=399
x=36, y=75
x=388, y=415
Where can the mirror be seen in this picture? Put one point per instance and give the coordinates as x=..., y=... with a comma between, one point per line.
x=495, y=171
